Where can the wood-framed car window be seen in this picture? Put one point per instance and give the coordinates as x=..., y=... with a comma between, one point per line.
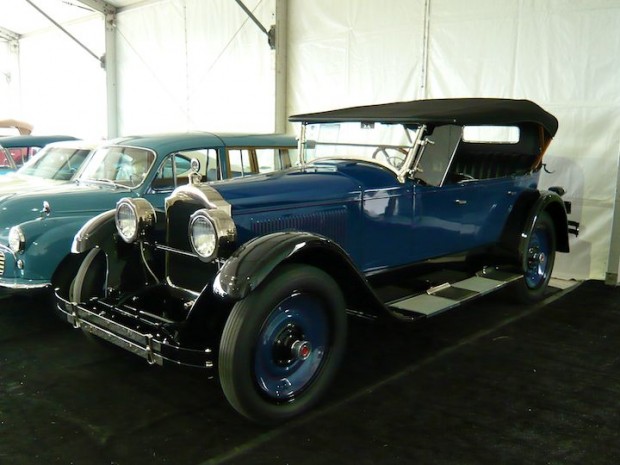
x=241, y=161
x=254, y=160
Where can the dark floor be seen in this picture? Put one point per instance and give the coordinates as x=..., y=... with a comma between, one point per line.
x=490, y=383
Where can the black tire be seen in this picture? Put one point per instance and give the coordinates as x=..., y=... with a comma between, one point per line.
x=90, y=279
x=267, y=333
x=537, y=261
x=90, y=282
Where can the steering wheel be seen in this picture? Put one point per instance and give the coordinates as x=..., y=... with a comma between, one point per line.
x=396, y=160
x=462, y=177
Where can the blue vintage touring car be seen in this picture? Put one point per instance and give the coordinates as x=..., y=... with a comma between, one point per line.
x=404, y=209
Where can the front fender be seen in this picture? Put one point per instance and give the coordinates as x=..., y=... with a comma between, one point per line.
x=94, y=232
x=253, y=262
x=48, y=241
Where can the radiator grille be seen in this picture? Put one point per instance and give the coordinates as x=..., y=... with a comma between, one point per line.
x=1, y=263
x=182, y=270
x=329, y=223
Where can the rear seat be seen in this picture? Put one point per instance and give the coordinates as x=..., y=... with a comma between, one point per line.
x=488, y=165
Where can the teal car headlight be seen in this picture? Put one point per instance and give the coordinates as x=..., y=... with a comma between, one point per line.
x=17, y=240
x=133, y=218
x=208, y=231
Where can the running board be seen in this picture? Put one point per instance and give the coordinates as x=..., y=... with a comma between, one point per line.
x=449, y=295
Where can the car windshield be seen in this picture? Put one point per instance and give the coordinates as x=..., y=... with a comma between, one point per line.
x=5, y=159
x=122, y=166
x=59, y=163
x=387, y=144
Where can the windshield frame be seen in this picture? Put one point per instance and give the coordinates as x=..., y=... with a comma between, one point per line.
x=414, y=133
x=95, y=160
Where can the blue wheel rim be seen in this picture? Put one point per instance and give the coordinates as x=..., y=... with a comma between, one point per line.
x=538, y=255
x=298, y=317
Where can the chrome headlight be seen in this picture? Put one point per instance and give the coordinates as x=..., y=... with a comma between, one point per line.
x=17, y=240
x=203, y=236
x=208, y=231
x=133, y=218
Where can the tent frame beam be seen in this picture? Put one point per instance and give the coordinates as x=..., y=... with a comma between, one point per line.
x=109, y=61
x=271, y=33
x=9, y=35
x=66, y=32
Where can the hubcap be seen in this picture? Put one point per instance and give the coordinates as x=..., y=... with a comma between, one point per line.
x=292, y=347
x=301, y=350
x=537, y=259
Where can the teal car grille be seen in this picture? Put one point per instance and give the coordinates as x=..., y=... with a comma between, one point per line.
x=1, y=263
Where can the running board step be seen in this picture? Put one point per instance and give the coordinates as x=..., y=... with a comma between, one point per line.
x=449, y=295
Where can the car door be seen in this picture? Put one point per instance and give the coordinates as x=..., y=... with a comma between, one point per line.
x=447, y=215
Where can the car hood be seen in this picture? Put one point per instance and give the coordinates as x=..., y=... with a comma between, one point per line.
x=328, y=181
x=64, y=200
x=14, y=183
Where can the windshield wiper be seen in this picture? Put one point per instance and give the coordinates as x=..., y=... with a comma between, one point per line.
x=108, y=182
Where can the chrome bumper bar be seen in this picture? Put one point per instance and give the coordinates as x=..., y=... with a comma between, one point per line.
x=145, y=345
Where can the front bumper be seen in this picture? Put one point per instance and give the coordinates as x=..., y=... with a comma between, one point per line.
x=154, y=348
x=12, y=277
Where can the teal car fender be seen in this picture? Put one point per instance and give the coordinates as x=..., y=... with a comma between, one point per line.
x=47, y=242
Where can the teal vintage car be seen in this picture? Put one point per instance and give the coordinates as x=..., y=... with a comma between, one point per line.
x=54, y=164
x=37, y=228
x=17, y=150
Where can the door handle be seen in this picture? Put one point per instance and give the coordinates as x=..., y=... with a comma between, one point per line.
x=460, y=202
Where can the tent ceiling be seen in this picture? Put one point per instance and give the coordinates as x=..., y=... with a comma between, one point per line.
x=19, y=17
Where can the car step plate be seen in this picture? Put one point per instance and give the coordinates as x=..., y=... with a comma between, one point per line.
x=449, y=295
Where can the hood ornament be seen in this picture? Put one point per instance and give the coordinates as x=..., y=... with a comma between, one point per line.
x=46, y=210
x=194, y=175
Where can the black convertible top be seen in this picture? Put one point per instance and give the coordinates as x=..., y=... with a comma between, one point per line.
x=436, y=112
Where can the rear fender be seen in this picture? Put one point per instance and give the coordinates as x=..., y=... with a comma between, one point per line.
x=522, y=220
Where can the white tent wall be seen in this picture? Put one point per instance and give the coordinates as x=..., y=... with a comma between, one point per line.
x=212, y=68
x=10, y=103
x=63, y=86
x=195, y=64
x=562, y=54
x=354, y=52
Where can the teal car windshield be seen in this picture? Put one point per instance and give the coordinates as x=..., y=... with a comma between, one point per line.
x=59, y=163
x=126, y=166
x=6, y=161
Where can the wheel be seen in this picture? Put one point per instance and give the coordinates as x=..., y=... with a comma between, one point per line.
x=90, y=279
x=89, y=282
x=537, y=261
x=282, y=345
